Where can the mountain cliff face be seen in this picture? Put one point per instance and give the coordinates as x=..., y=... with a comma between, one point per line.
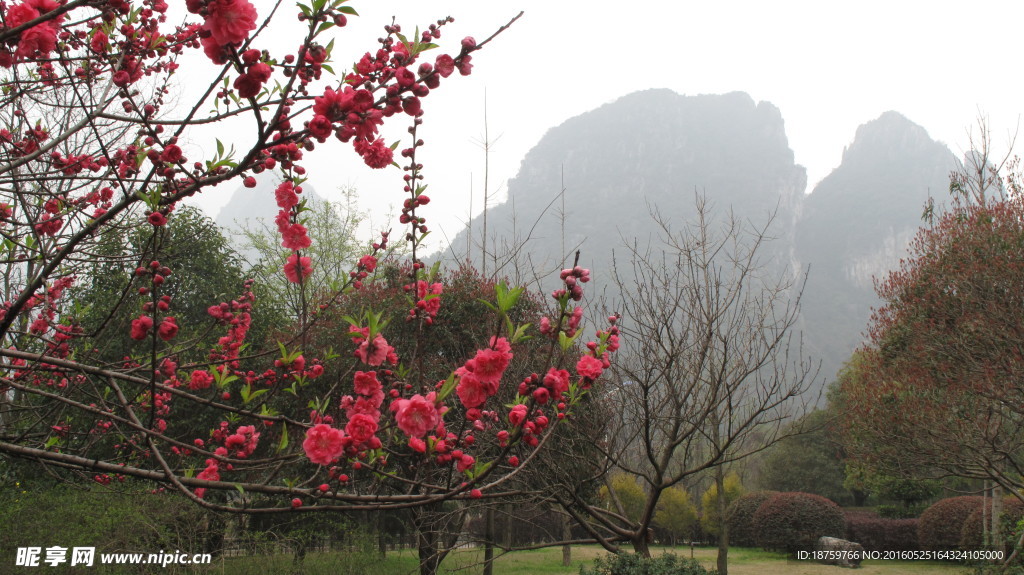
x=648, y=150
x=655, y=149
x=857, y=223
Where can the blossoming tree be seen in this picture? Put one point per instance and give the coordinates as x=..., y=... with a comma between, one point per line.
x=90, y=146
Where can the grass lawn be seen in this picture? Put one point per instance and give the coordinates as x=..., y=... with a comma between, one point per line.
x=549, y=562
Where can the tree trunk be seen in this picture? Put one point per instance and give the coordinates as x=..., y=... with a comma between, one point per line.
x=378, y=527
x=997, y=511
x=489, y=541
x=428, y=539
x=566, y=536
x=859, y=497
x=428, y=552
x=641, y=544
x=723, y=528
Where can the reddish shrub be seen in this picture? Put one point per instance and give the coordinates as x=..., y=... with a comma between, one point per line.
x=879, y=533
x=740, y=517
x=971, y=533
x=794, y=521
x=941, y=524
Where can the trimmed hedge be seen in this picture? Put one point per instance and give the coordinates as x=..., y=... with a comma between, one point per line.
x=971, y=533
x=941, y=525
x=880, y=533
x=900, y=511
x=794, y=521
x=740, y=517
x=633, y=564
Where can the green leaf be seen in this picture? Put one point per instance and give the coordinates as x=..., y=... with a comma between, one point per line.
x=520, y=334
x=283, y=443
x=447, y=388
x=565, y=341
x=254, y=394
x=479, y=468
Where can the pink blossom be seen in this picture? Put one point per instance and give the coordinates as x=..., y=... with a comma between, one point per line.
x=517, y=415
x=230, y=21
x=490, y=364
x=472, y=392
x=361, y=427
x=445, y=65
x=243, y=441
x=366, y=383
x=218, y=53
x=285, y=196
x=376, y=154
x=171, y=154
x=417, y=415
x=200, y=380
x=141, y=327
x=320, y=127
x=296, y=265
x=366, y=405
x=168, y=329
x=323, y=444
x=590, y=367
x=374, y=352
x=294, y=237
x=465, y=463
x=368, y=263
x=557, y=380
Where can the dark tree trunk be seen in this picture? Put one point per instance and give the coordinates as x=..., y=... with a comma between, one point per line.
x=489, y=541
x=641, y=543
x=566, y=536
x=723, y=527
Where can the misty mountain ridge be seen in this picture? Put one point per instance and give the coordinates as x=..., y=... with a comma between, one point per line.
x=618, y=162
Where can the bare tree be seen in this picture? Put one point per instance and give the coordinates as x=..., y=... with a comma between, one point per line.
x=710, y=367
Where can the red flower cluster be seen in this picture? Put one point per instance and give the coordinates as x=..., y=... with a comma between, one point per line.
x=417, y=415
x=324, y=444
x=298, y=269
x=480, y=377
x=39, y=40
x=256, y=74
x=227, y=25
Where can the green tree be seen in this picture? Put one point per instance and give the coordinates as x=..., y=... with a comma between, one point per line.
x=676, y=514
x=810, y=460
x=206, y=271
x=333, y=229
x=710, y=519
x=624, y=494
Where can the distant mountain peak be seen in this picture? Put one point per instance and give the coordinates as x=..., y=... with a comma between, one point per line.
x=890, y=137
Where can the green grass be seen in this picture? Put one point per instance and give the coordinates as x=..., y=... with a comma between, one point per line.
x=549, y=562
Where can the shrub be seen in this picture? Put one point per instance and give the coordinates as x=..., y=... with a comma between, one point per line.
x=740, y=517
x=941, y=524
x=633, y=564
x=794, y=521
x=110, y=521
x=971, y=533
x=900, y=511
x=876, y=533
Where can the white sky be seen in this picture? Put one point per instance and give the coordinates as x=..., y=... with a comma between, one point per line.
x=828, y=66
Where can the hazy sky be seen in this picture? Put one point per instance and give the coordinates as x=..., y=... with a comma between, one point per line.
x=828, y=66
